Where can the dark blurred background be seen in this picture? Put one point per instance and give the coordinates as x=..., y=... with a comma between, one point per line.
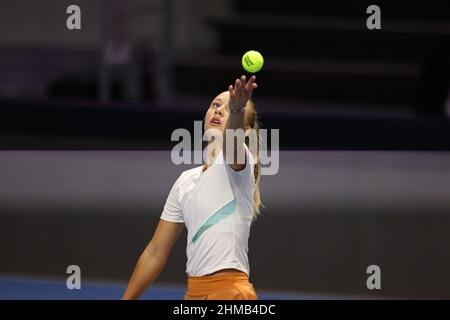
x=87, y=115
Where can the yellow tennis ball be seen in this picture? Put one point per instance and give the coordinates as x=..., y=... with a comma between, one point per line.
x=252, y=61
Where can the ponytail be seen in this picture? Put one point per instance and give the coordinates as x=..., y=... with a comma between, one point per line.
x=251, y=119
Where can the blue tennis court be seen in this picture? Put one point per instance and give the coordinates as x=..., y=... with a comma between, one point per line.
x=28, y=288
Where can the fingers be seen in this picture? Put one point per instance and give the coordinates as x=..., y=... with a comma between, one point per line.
x=238, y=87
x=243, y=83
x=242, y=89
x=251, y=84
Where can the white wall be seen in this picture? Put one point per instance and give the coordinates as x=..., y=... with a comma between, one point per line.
x=358, y=181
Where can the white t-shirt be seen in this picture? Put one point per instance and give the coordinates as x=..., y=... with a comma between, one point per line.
x=216, y=206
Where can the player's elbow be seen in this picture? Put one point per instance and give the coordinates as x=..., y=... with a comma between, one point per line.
x=153, y=251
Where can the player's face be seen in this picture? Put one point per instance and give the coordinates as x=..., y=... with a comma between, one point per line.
x=218, y=112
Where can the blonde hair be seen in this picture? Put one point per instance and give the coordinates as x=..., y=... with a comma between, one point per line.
x=251, y=120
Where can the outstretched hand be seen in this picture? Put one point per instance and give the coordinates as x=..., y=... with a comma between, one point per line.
x=241, y=92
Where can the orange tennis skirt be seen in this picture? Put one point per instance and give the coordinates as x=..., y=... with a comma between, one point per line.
x=233, y=285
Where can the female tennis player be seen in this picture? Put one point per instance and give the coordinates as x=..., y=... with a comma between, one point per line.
x=217, y=203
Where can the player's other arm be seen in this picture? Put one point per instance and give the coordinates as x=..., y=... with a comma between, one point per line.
x=153, y=258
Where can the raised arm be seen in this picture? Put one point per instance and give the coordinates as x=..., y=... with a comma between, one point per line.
x=153, y=258
x=240, y=94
